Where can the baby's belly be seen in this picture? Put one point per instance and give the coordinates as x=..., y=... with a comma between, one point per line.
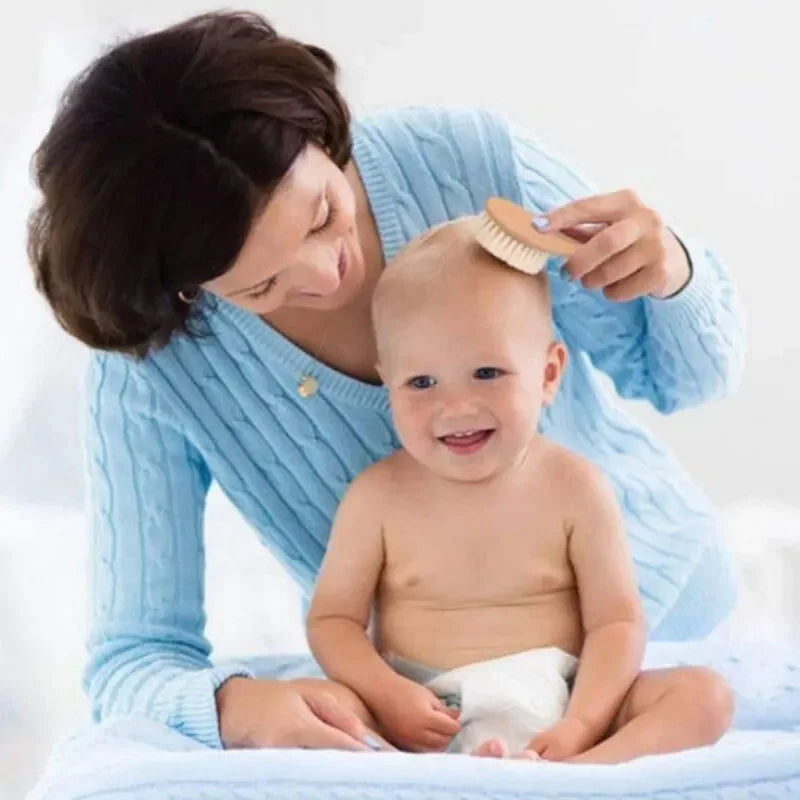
x=449, y=636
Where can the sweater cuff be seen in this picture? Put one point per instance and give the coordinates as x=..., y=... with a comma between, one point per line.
x=197, y=717
x=697, y=300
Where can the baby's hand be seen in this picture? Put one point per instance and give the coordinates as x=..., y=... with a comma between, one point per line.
x=568, y=737
x=412, y=717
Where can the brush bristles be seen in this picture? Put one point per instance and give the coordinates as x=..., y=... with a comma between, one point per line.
x=521, y=256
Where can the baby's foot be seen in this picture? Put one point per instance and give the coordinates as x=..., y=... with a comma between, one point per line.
x=528, y=755
x=492, y=748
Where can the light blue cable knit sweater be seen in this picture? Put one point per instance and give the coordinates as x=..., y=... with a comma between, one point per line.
x=227, y=407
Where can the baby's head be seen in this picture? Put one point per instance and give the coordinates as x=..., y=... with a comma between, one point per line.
x=466, y=350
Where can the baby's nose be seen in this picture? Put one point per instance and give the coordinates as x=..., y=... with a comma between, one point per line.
x=459, y=404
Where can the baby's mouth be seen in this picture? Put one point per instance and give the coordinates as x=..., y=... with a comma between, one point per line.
x=466, y=442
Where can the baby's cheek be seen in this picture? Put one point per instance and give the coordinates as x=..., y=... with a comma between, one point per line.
x=523, y=413
x=409, y=419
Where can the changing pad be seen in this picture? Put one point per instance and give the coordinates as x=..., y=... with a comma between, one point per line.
x=134, y=757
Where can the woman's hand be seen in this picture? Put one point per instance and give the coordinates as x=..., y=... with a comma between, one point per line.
x=301, y=713
x=627, y=250
x=413, y=718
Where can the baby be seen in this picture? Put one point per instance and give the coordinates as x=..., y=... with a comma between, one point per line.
x=506, y=613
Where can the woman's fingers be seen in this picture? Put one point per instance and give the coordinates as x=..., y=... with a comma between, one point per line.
x=582, y=233
x=318, y=735
x=610, y=207
x=629, y=288
x=330, y=711
x=605, y=245
x=333, y=725
x=617, y=267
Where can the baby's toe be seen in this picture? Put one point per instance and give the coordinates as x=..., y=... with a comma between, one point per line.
x=492, y=748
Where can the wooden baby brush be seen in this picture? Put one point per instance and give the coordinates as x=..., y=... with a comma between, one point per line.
x=506, y=230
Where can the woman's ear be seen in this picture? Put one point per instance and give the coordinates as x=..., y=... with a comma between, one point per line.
x=554, y=365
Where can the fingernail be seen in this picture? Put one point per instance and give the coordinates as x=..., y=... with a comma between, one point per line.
x=541, y=222
x=372, y=741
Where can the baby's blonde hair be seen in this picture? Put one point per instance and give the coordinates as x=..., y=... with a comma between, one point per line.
x=444, y=260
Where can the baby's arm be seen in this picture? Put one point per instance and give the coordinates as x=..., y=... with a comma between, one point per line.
x=343, y=597
x=407, y=713
x=613, y=620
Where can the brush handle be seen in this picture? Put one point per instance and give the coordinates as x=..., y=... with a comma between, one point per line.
x=517, y=222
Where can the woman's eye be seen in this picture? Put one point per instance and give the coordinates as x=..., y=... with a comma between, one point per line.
x=421, y=382
x=487, y=373
x=330, y=216
x=266, y=288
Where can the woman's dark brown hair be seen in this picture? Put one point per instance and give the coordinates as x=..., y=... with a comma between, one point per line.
x=161, y=155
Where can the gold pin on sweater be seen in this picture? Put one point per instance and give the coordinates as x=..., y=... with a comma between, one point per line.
x=308, y=386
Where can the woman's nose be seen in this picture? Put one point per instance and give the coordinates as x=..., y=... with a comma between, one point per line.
x=320, y=277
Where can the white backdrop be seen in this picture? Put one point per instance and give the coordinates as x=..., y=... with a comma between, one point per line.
x=690, y=103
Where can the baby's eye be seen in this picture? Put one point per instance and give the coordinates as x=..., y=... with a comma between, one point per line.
x=421, y=382
x=488, y=373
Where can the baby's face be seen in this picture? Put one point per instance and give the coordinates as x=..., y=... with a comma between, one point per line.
x=467, y=383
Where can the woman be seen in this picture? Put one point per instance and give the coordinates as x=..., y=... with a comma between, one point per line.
x=213, y=225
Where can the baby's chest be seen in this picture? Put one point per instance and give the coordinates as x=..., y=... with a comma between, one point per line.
x=467, y=555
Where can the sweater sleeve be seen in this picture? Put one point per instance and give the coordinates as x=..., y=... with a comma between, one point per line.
x=147, y=490
x=676, y=352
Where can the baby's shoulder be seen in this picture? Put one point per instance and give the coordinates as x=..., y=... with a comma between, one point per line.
x=572, y=475
x=377, y=478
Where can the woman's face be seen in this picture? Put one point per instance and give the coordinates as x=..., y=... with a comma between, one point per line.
x=303, y=250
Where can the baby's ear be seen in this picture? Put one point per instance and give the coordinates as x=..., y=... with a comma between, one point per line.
x=554, y=366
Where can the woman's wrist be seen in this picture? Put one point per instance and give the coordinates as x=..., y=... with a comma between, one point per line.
x=682, y=269
x=233, y=732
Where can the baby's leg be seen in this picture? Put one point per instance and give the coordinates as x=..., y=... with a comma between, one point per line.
x=666, y=710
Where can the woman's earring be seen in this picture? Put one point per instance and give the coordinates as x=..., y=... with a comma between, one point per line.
x=190, y=296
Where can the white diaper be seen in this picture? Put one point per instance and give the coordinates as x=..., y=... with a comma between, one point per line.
x=510, y=698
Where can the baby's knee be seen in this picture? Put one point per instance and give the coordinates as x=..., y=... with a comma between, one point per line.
x=709, y=698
